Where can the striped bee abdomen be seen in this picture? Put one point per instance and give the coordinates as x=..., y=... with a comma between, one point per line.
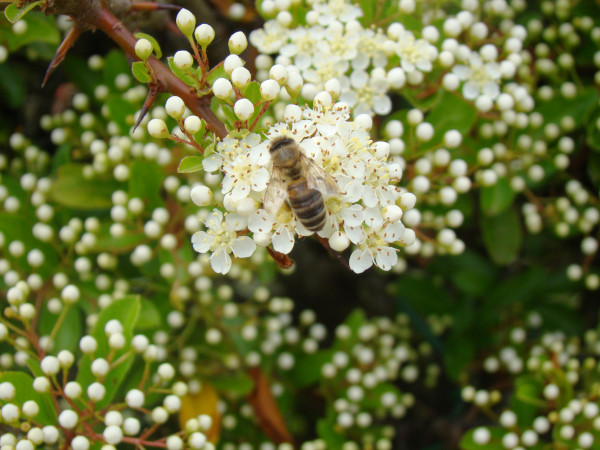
x=307, y=204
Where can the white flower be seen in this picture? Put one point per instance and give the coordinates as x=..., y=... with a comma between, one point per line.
x=221, y=239
x=270, y=38
x=373, y=247
x=415, y=54
x=480, y=78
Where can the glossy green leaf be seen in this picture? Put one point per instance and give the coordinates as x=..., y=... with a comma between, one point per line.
x=145, y=182
x=115, y=63
x=12, y=85
x=150, y=317
x=183, y=76
x=527, y=399
x=238, y=383
x=73, y=190
x=40, y=28
x=153, y=41
x=14, y=14
x=495, y=199
x=307, y=370
x=502, y=236
x=126, y=311
x=121, y=112
x=23, y=384
x=496, y=433
x=450, y=112
x=140, y=72
x=190, y=164
x=252, y=92
x=69, y=332
x=327, y=430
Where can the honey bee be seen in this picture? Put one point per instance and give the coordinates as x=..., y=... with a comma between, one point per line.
x=297, y=180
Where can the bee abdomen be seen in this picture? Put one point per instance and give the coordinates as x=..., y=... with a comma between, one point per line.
x=308, y=205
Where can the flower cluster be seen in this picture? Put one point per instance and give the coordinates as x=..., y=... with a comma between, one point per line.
x=334, y=44
x=367, y=212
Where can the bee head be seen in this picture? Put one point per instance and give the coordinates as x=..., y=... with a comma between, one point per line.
x=280, y=142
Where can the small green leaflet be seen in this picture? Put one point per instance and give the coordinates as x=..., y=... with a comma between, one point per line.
x=14, y=14
x=190, y=164
x=154, y=42
x=140, y=72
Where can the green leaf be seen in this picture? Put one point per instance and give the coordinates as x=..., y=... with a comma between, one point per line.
x=328, y=431
x=70, y=331
x=23, y=384
x=145, y=182
x=73, y=190
x=153, y=41
x=115, y=63
x=14, y=14
x=121, y=112
x=593, y=132
x=39, y=29
x=527, y=399
x=252, y=92
x=216, y=72
x=183, y=76
x=451, y=112
x=150, y=317
x=502, y=236
x=238, y=383
x=495, y=199
x=126, y=311
x=467, y=442
x=307, y=370
x=140, y=72
x=190, y=164
x=12, y=85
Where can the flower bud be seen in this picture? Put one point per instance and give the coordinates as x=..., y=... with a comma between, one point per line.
x=294, y=84
x=183, y=60
x=143, y=49
x=192, y=124
x=222, y=88
x=231, y=62
x=237, y=43
x=269, y=90
x=204, y=34
x=175, y=107
x=243, y=108
x=279, y=73
x=240, y=76
x=186, y=22
x=157, y=128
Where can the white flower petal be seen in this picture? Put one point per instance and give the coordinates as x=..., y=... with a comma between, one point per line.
x=355, y=234
x=370, y=197
x=260, y=179
x=212, y=162
x=235, y=222
x=360, y=260
x=243, y=246
x=260, y=222
x=386, y=258
x=283, y=240
x=201, y=241
x=220, y=261
x=353, y=215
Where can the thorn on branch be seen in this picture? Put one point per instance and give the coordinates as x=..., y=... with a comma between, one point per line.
x=155, y=89
x=282, y=260
x=62, y=50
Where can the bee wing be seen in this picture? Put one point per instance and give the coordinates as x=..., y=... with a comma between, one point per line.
x=275, y=194
x=317, y=178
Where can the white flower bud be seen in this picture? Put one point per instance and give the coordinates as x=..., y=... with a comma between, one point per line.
x=50, y=365
x=201, y=195
x=157, y=128
x=143, y=49
x=323, y=100
x=294, y=84
x=68, y=419
x=175, y=107
x=292, y=113
x=96, y=391
x=222, y=88
x=334, y=87
x=231, y=62
x=269, y=90
x=204, y=34
x=186, y=22
x=279, y=73
x=240, y=76
x=338, y=241
x=135, y=398
x=237, y=43
x=192, y=124
x=183, y=60
x=243, y=109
